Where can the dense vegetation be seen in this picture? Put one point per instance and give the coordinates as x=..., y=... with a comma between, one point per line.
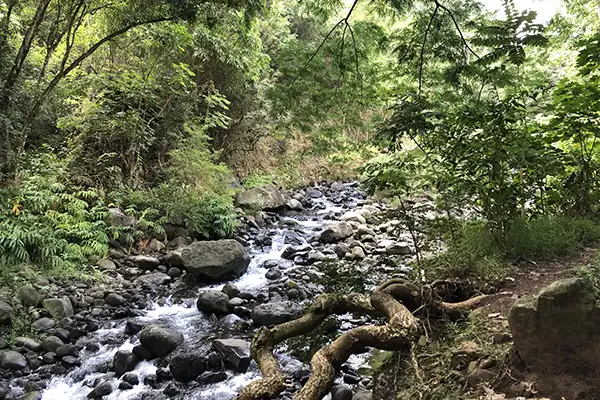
x=161, y=108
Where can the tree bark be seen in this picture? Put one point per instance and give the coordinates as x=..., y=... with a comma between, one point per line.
x=17, y=66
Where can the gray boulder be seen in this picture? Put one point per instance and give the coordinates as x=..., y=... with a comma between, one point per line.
x=5, y=313
x=398, y=249
x=188, y=366
x=154, y=279
x=51, y=343
x=294, y=204
x=29, y=295
x=124, y=361
x=145, y=262
x=557, y=335
x=236, y=353
x=118, y=218
x=13, y=360
x=103, y=389
x=217, y=260
x=160, y=341
x=267, y=197
x=276, y=313
x=336, y=232
x=59, y=308
x=173, y=258
x=106, y=264
x=213, y=301
x=341, y=392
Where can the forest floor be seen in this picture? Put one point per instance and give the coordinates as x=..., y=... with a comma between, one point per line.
x=529, y=277
x=475, y=359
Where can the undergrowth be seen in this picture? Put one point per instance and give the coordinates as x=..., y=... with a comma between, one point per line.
x=473, y=251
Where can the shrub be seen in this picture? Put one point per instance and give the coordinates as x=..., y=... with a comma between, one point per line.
x=472, y=252
x=45, y=223
x=550, y=236
x=206, y=214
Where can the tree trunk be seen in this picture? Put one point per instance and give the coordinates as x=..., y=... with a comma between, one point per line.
x=17, y=66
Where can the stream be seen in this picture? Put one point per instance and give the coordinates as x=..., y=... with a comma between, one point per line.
x=198, y=329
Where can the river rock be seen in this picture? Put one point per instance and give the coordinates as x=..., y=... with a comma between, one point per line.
x=103, y=389
x=160, y=341
x=115, y=299
x=276, y=313
x=116, y=217
x=231, y=290
x=336, y=232
x=5, y=313
x=273, y=274
x=188, y=366
x=267, y=197
x=145, y=262
x=557, y=335
x=51, y=343
x=173, y=257
x=400, y=248
x=59, y=308
x=341, y=392
x=236, y=353
x=13, y=360
x=213, y=301
x=218, y=260
x=353, y=216
x=294, y=204
x=154, y=279
x=29, y=296
x=106, y=265
x=124, y=361
x=44, y=324
x=28, y=343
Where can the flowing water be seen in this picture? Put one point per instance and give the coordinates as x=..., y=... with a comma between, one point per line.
x=197, y=328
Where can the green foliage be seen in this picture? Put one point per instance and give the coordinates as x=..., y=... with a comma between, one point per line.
x=341, y=278
x=591, y=275
x=472, y=252
x=206, y=214
x=551, y=236
x=46, y=223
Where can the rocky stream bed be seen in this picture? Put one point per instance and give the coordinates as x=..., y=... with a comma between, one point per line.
x=155, y=330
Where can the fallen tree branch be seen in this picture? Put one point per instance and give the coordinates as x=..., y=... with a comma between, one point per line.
x=396, y=299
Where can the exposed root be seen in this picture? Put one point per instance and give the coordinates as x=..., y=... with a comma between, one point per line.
x=396, y=300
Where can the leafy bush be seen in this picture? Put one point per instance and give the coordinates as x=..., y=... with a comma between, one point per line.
x=45, y=223
x=206, y=214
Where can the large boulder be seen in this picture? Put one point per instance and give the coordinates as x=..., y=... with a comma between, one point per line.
x=154, y=279
x=124, y=361
x=5, y=312
x=267, y=197
x=213, y=301
x=557, y=335
x=276, y=313
x=10, y=359
x=336, y=232
x=116, y=217
x=160, y=341
x=236, y=353
x=188, y=366
x=217, y=260
x=29, y=295
x=59, y=308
